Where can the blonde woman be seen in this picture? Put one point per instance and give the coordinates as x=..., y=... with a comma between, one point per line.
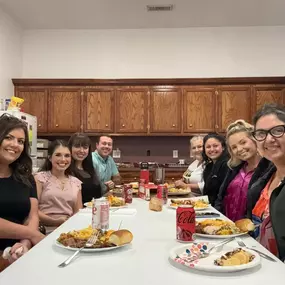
x=195, y=170
x=244, y=158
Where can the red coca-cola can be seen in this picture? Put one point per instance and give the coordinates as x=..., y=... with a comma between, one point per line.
x=162, y=193
x=185, y=223
x=128, y=193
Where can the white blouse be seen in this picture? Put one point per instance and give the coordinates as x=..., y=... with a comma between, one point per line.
x=196, y=174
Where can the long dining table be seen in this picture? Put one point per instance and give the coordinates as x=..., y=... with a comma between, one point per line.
x=145, y=261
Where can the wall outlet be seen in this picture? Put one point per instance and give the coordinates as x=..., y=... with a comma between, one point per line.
x=116, y=153
x=175, y=153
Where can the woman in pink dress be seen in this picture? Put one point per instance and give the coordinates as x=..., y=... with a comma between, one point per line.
x=59, y=193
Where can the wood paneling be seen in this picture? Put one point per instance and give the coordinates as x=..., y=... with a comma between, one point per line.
x=98, y=111
x=35, y=104
x=267, y=94
x=65, y=110
x=199, y=109
x=131, y=110
x=235, y=103
x=165, y=110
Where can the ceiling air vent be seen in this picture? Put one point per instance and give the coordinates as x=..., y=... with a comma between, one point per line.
x=159, y=8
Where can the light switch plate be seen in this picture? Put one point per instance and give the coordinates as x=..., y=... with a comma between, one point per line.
x=175, y=153
x=116, y=153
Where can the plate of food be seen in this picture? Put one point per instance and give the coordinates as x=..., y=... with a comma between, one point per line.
x=108, y=240
x=221, y=229
x=229, y=259
x=178, y=191
x=198, y=204
x=115, y=202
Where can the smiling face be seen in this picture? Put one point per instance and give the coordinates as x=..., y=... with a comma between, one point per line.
x=105, y=146
x=197, y=149
x=272, y=148
x=12, y=146
x=241, y=146
x=213, y=148
x=79, y=152
x=61, y=158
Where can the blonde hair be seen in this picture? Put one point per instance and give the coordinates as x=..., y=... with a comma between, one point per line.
x=239, y=126
x=195, y=138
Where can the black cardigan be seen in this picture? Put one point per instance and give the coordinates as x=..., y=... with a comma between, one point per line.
x=262, y=167
x=214, y=175
x=277, y=217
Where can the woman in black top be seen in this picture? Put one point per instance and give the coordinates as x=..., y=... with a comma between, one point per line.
x=82, y=166
x=18, y=196
x=215, y=157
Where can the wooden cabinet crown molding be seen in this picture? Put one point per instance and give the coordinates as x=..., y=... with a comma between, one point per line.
x=148, y=81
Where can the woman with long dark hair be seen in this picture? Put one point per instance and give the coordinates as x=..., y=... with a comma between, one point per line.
x=82, y=166
x=18, y=195
x=59, y=192
x=215, y=157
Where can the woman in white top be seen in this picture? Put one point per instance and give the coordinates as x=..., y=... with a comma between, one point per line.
x=194, y=181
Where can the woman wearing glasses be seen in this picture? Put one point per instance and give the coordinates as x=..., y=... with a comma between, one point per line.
x=269, y=208
x=82, y=166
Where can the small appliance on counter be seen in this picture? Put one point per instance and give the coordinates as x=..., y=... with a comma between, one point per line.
x=159, y=176
x=144, y=173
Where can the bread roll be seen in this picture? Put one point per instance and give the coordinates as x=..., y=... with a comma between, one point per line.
x=155, y=204
x=121, y=237
x=245, y=225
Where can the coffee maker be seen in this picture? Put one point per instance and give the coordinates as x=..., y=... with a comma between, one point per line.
x=144, y=173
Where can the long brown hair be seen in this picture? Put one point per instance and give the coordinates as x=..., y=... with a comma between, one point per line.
x=22, y=166
x=47, y=166
x=79, y=139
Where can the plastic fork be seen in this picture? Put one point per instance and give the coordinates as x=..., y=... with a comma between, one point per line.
x=242, y=244
x=90, y=242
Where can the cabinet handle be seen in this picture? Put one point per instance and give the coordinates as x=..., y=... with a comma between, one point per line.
x=172, y=178
x=216, y=92
x=39, y=125
x=190, y=126
x=217, y=126
x=173, y=125
x=56, y=125
x=123, y=125
x=106, y=126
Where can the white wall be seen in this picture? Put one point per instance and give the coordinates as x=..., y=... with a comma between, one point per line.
x=10, y=54
x=160, y=53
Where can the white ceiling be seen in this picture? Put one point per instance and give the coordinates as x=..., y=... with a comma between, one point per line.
x=132, y=14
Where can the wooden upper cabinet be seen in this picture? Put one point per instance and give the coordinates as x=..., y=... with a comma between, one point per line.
x=165, y=110
x=267, y=94
x=35, y=104
x=234, y=103
x=65, y=110
x=199, y=109
x=98, y=112
x=131, y=110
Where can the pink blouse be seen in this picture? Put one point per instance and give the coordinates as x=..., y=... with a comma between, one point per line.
x=236, y=196
x=57, y=199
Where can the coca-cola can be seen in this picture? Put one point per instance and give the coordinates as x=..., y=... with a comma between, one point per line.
x=128, y=193
x=185, y=223
x=162, y=193
x=100, y=214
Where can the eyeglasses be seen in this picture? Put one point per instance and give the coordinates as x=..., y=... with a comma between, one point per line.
x=276, y=132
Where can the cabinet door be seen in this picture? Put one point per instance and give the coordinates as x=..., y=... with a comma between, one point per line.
x=199, y=109
x=65, y=110
x=165, y=110
x=98, y=111
x=35, y=104
x=131, y=110
x=267, y=94
x=234, y=104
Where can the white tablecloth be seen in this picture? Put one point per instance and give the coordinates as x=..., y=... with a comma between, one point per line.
x=146, y=261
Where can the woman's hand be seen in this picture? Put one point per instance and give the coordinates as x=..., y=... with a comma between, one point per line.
x=17, y=250
x=180, y=184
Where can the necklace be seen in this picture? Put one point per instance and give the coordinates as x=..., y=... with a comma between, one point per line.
x=62, y=183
